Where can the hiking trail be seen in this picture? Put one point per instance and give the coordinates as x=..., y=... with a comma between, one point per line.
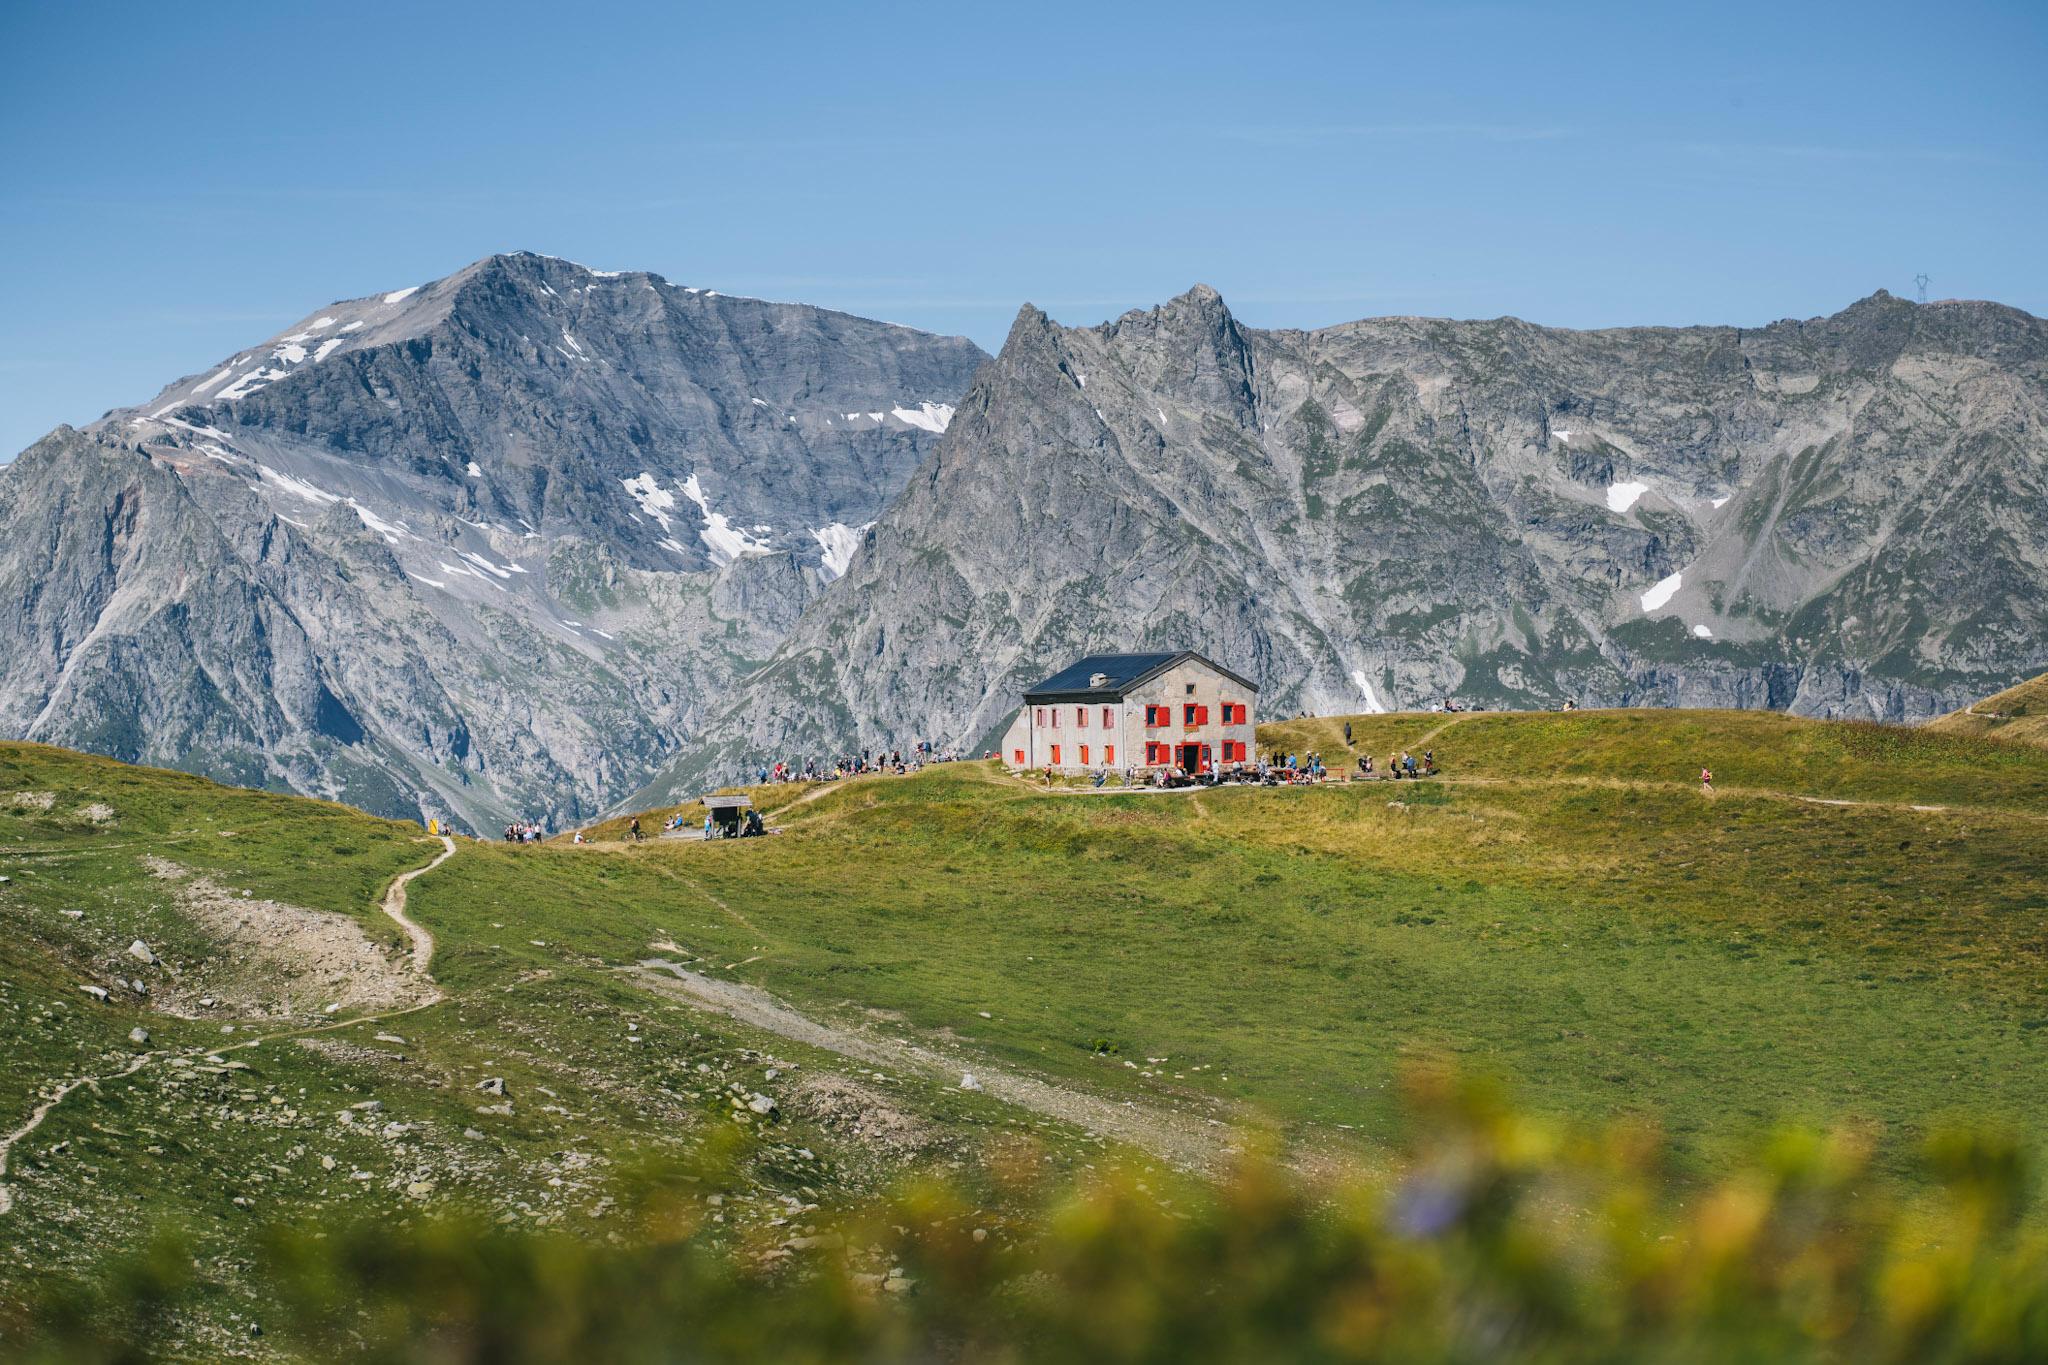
x=1182, y=1140
x=393, y=905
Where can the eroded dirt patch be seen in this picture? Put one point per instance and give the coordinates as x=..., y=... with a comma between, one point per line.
x=277, y=960
x=860, y=1112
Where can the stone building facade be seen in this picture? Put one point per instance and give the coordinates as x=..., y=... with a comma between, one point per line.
x=1140, y=711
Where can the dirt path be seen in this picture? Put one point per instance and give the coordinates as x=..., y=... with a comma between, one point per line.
x=1182, y=1140
x=1458, y=719
x=392, y=905
x=1761, y=793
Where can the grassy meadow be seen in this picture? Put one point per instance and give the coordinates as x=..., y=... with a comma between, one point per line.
x=1848, y=932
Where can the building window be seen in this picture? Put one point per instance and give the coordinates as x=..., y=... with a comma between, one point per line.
x=1084, y=755
x=1108, y=718
x=1039, y=717
x=1020, y=755
x=1109, y=754
x=1081, y=717
x=1151, y=752
x=1189, y=690
x=1055, y=754
x=1055, y=717
x=1233, y=713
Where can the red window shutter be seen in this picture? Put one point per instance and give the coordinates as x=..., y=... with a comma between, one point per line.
x=1109, y=753
x=1084, y=755
x=1055, y=753
x=1019, y=753
x=1108, y=719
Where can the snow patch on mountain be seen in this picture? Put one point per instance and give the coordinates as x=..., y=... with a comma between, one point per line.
x=933, y=417
x=1373, y=705
x=1622, y=496
x=839, y=541
x=1664, y=590
x=654, y=500
x=726, y=541
x=401, y=295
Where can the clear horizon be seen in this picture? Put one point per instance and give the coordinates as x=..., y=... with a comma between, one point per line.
x=182, y=187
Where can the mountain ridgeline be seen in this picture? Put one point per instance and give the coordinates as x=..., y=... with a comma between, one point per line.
x=1846, y=516
x=538, y=540
x=480, y=548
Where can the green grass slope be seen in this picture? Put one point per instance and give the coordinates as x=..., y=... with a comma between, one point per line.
x=2018, y=714
x=234, y=1119
x=1850, y=929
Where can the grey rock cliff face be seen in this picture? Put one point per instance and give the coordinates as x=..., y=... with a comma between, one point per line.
x=1843, y=516
x=483, y=548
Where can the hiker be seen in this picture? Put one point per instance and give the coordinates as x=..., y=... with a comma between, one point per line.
x=1429, y=763
x=1347, y=734
x=754, y=827
x=1101, y=776
x=1707, y=780
x=1365, y=765
x=633, y=830
x=1408, y=761
x=709, y=828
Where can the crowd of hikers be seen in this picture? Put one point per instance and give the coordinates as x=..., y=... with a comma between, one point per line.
x=1278, y=769
x=897, y=761
x=523, y=832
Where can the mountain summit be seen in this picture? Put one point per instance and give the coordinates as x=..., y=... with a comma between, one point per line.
x=479, y=547
x=1841, y=516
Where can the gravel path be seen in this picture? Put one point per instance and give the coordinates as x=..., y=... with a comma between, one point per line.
x=1182, y=1140
x=392, y=905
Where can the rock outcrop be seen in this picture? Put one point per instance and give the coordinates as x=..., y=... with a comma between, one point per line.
x=1842, y=516
x=483, y=548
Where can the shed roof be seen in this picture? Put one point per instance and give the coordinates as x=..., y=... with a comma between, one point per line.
x=1104, y=677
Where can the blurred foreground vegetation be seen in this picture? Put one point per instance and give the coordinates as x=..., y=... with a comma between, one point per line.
x=1507, y=1238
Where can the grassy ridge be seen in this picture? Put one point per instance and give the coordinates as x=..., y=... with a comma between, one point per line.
x=226, y=1143
x=2019, y=714
x=1565, y=909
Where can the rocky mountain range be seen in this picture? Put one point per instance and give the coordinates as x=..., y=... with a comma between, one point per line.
x=535, y=540
x=1841, y=516
x=486, y=547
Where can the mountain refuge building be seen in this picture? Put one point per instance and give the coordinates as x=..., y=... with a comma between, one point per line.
x=1134, y=711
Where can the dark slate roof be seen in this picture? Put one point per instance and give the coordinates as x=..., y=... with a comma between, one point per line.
x=1120, y=673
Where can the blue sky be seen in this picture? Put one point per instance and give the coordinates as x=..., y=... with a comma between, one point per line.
x=181, y=180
